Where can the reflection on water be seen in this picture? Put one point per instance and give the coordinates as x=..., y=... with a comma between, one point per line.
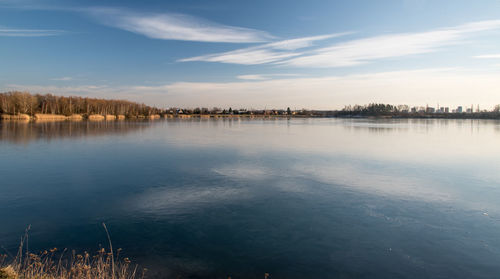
x=299, y=198
x=23, y=132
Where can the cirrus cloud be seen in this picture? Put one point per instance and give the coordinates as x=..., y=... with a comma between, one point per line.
x=353, y=52
x=389, y=46
x=263, y=54
x=169, y=26
x=488, y=56
x=19, y=32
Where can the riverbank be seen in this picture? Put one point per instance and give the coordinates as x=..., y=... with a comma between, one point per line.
x=73, y=117
x=108, y=117
x=326, y=115
x=98, y=117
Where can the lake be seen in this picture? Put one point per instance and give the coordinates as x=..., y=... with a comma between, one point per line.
x=297, y=198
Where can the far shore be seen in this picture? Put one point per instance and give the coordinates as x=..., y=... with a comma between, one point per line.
x=24, y=106
x=74, y=117
x=318, y=114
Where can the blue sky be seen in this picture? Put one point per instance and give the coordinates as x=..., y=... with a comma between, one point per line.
x=314, y=54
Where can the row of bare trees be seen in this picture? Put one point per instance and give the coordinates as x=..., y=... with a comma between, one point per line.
x=23, y=102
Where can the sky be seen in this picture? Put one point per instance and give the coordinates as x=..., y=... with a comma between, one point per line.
x=255, y=54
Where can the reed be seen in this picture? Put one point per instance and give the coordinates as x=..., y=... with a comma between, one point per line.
x=75, y=117
x=20, y=116
x=51, y=117
x=96, y=117
x=55, y=264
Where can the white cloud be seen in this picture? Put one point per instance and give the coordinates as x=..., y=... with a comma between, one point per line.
x=451, y=87
x=91, y=90
x=488, y=56
x=418, y=87
x=389, y=46
x=16, y=32
x=349, y=53
x=264, y=76
x=177, y=27
x=62, y=78
x=252, y=77
x=246, y=56
x=299, y=43
x=262, y=54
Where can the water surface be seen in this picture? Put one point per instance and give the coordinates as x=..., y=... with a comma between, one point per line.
x=298, y=198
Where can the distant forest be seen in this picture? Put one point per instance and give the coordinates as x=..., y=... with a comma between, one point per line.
x=24, y=102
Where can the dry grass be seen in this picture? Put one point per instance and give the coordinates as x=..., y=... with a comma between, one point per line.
x=20, y=116
x=51, y=117
x=75, y=117
x=96, y=117
x=54, y=264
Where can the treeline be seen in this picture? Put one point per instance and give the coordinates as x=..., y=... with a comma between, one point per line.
x=374, y=109
x=383, y=110
x=16, y=102
x=23, y=102
x=229, y=111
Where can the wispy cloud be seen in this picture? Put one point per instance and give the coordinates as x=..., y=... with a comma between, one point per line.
x=389, y=46
x=264, y=76
x=350, y=53
x=17, y=32
x=252, y=77
x=177, y=27
x=298, y=43
x=262, y=54
x=488, y=56
x=91, y=90
x=62, y=78
x=247, y=56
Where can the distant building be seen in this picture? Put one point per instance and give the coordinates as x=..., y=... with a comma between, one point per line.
x=459, y=109
x=446, y=110
x=430, y=110
x=469, y=110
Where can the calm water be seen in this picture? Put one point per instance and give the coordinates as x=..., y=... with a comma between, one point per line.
x=300, y=198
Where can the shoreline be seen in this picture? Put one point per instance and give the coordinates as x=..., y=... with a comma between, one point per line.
x=107, y=118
